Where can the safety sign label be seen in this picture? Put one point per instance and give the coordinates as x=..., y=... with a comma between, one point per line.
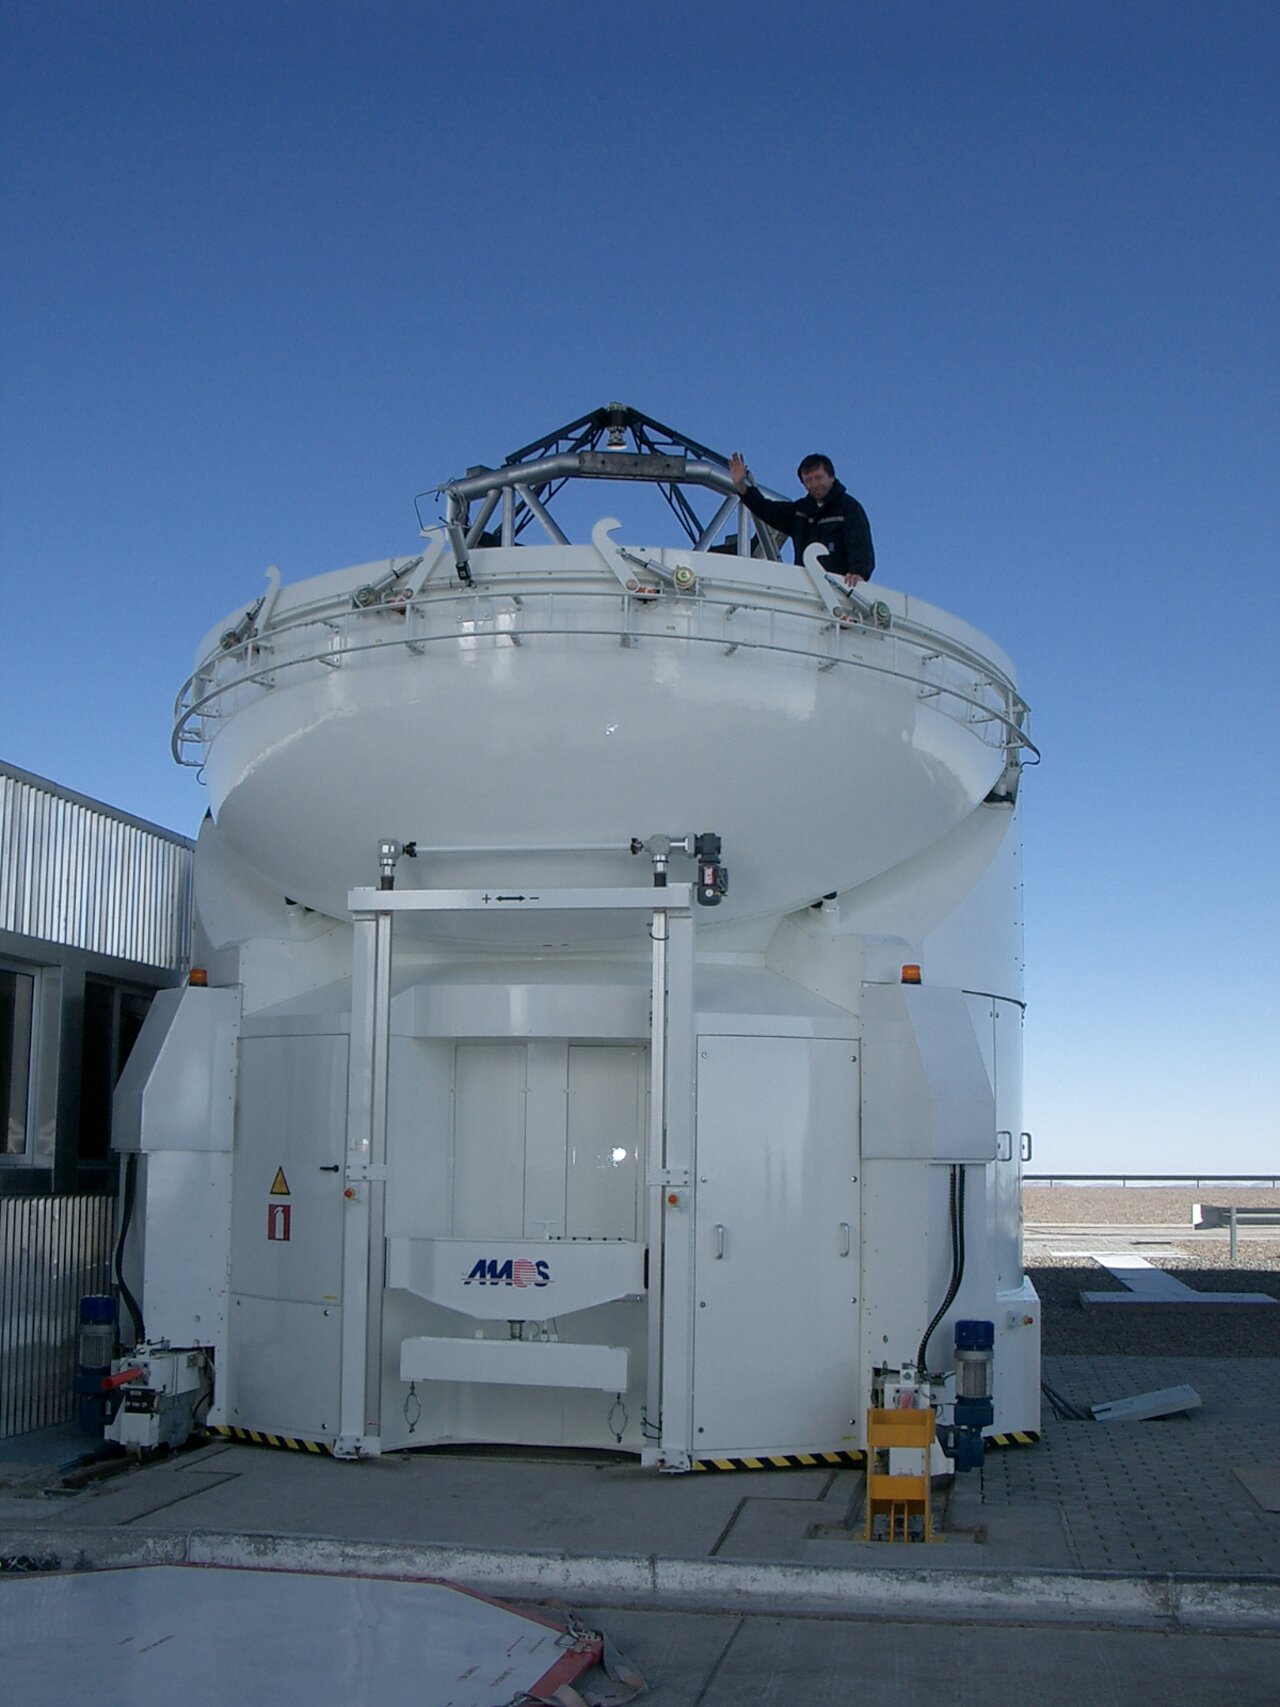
x=279, y=1185
x=278, y=1220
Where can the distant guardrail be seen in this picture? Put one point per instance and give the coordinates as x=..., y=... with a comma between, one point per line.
x=1209, y=1215
x=1261, y=1182
x=1233, y=1216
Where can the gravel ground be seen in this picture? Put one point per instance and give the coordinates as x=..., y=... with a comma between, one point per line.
x=1133, y=1206
x=1154, y=1330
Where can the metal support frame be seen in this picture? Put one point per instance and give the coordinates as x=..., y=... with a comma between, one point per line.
x=668, y=1176
x=359, y=1417
x=675, y=1300
x=533, y=505
x=635, y=447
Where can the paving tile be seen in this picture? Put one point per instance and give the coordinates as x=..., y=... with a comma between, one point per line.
x=1163, y=1491
x=782, y=1663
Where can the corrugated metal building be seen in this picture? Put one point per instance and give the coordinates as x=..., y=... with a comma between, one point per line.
x=95, y=917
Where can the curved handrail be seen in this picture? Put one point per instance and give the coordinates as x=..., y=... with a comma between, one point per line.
x=1010, y=714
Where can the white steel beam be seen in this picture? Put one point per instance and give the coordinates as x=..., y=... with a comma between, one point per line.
x=675, y=897
x=365, y=1186
x=678, y=1198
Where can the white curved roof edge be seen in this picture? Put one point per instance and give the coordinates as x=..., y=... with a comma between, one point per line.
x=506, y=562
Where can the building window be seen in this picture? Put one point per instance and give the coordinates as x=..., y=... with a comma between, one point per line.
x=113, y=1016
x=17, y=1000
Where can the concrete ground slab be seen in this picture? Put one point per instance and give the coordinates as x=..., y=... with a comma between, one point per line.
x=64, y=1443
x=683, y=1651
x=1263, y=1482
x=1211, y=1300
x=214, y=1634
x=606, y=1506
x=797, y=1662
x=1148, y=1284
x=891, y=1587
x=1097, y=1253
x=1113, y=1565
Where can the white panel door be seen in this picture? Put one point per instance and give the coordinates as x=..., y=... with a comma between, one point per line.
x=606, y=1125
x=776, y=1265
x=287, y=1204
x=281, y=1372
x=548, y=1139
x=997, y=1024
x=1007, y=1025
x=489, y=1140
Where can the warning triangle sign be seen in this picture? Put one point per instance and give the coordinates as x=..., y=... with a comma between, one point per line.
x=279, y=1185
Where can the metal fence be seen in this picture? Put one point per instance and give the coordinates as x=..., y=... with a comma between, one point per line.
x=53, y=1250
x=1267, y=1182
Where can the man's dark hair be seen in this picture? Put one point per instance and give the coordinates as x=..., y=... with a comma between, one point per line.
x=816, y=461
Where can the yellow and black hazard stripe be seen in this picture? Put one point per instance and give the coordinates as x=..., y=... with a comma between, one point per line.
x=784, y=1461
x=256, y=1437
x=1019, y=1437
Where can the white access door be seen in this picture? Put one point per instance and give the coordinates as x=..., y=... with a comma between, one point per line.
x=1007, y=1025
x=776, y=1264
x=997, y=1024
x=281, y=1372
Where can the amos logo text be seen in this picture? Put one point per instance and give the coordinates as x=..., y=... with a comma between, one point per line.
x=515, y=1271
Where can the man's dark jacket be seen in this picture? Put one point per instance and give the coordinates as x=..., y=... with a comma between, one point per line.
x=839, y=524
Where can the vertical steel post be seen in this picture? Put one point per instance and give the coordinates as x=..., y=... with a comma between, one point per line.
x=655, y=1174
x=365, y=1185
x=679, y=1217
x=377, y=1185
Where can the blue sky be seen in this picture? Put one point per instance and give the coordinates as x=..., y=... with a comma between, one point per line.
x=271, y=269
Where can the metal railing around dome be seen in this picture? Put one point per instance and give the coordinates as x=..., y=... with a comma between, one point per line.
x=493, y=603
x=507, y=611
x=323, y=637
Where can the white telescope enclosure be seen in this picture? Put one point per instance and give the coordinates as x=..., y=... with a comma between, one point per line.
x=556, y=1080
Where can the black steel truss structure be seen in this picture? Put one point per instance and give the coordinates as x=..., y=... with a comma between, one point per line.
x=614, y=442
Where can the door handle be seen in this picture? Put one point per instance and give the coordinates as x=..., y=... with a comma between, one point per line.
x=1024, y=1145
x=846, y=1238
x=1003, y=1155
x=719, y=1240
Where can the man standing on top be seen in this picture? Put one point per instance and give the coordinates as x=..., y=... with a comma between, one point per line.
x=828, y=516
